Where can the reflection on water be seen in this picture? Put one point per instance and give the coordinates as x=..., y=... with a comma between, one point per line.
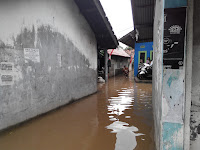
x=119, y=104
x=117, y=117
x=125, y=136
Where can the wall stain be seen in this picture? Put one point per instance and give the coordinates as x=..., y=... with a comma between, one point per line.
x=172, y=78
x=194, y=126
x=39, y=90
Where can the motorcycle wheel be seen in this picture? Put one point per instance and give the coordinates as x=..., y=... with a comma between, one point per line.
x=139, y=76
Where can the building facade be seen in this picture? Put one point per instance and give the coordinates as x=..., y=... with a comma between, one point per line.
x=142, y=52
x=118, y=59
x=48, y=56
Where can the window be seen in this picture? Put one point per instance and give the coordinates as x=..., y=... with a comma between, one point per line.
x=143, y=56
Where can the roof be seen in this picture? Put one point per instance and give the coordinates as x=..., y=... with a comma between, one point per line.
x=93, y=12
x=143, y=16
x=129, y=39
x=130, y=52
x=118, y=52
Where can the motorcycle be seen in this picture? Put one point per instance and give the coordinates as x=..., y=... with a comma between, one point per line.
x=145, y=71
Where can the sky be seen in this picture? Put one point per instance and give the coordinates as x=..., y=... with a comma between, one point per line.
x=119, y=14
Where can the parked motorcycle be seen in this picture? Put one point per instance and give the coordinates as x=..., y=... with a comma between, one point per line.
x=145, y=71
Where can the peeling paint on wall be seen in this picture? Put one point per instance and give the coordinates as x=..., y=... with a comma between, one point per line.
x=195, y=127
x=173, y=109
x=172, y=78
x=173, y=93
x=172, y=136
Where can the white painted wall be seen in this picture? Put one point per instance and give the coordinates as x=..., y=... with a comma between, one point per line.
x=115, y=60
x=62, y=15
x=67, y=69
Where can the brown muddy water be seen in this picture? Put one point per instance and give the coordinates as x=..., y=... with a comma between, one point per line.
x=118, y=117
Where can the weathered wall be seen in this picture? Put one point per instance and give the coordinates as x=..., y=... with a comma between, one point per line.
x=65, y=68
x=168, y=89
x=195, y=108
x=188, y=74
x=158, y=72
x=117, y=65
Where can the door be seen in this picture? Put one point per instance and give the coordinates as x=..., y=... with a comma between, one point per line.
x=151, y=55
x=143, y=56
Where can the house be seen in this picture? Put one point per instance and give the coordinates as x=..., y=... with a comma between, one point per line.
x=143, y=47
x=142, y=52
x=129, y=39
x=48, y=54
x=118, y=58
x=143, y=14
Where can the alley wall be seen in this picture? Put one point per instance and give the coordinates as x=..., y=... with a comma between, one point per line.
x=195, y=108
x=48, y=57
x=169, y=91
x=158, y=72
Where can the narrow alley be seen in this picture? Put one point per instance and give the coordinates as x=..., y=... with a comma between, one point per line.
x=118, y=116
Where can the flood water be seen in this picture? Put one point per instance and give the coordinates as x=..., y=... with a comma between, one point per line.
x=118, y=117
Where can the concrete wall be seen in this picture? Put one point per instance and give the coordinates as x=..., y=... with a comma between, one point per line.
x=158, y=72
x=145, y=47
x=188, y=74
x=168, y=89
x=189, y=113
x=117, y=65
x=59, y=66
x=173, y=99
x=195, y=108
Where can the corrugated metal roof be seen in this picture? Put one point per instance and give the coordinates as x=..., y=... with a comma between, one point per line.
x=129, y=39
x=118, y=52
x=143, y=16
x=96, y=17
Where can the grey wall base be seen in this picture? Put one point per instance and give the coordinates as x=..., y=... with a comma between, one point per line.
x=67, y=66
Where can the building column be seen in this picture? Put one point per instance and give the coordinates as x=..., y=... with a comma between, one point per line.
x=188, y=74
x=170, y=75
x=106, y=65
